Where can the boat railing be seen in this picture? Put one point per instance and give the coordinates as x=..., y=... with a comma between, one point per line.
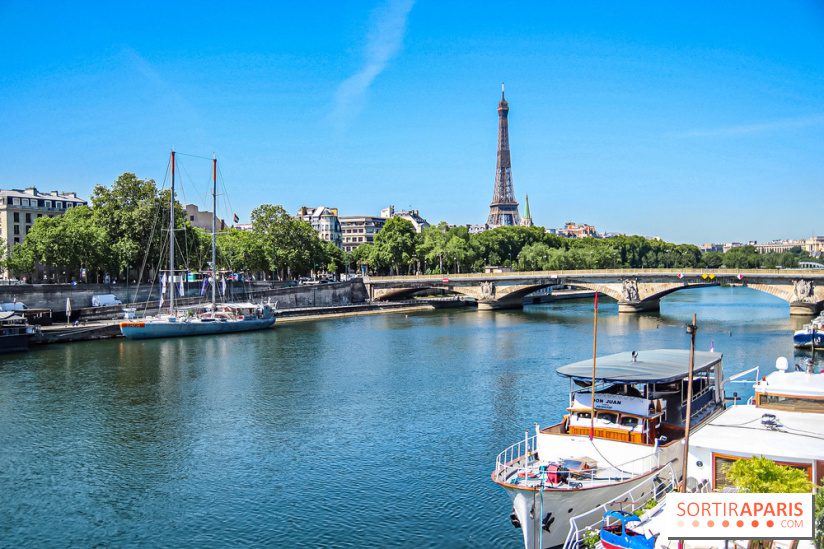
x=654, y=488
x=521, y=463
x=740, y=378
x=508, y=461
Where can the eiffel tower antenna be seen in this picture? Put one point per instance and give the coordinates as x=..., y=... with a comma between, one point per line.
x=504, y=208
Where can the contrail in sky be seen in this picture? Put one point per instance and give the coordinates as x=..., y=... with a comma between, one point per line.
x=755, y=128
x=384, y=40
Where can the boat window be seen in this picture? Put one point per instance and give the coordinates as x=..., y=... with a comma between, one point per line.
x=606, y=416
x=790, y=403
x=584, y=415
x=629, y=421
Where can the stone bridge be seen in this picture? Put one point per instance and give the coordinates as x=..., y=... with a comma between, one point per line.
x=636, y=290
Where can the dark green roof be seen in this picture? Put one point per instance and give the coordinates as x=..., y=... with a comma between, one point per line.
x=654, y=366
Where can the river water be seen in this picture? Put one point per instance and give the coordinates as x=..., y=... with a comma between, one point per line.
x=376, y=431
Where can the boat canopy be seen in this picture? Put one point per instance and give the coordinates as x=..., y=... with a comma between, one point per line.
x=10, y=317
x=654, y=366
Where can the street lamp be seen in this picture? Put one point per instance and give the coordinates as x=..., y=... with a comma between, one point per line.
x=591, y=261
x=274, y=262
x=441, y=258
x=315, y=272
x=457, y=265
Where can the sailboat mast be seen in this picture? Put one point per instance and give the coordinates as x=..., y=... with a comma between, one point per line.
x=172, y=241
x=214, y=228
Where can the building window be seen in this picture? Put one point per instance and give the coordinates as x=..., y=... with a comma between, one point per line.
x=17, y=229
x=25, y=202
x=16, y=201
x=59, y=205
x=28, y=218
x=17, y=241
x=28, y=228
x=49, y=204
x=17, y=217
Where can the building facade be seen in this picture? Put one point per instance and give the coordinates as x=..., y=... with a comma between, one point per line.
x=325, y=221
x=413, y=216
x=20, y=209
x=202, y=220
x=360, y=229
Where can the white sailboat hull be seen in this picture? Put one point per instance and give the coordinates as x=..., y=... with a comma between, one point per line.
x=154, y=328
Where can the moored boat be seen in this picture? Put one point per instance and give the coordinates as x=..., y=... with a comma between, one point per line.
x=227, y=318
x=215, y=318
x=784, y=422
x=640, y=418
x=14, y=332
x=617, y=532
x=810, y=335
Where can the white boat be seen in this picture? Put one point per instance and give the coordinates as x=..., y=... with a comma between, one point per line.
x=214, y=318
x=573, y=466
x=809, y=334
x=784, y=422
x=224, y=319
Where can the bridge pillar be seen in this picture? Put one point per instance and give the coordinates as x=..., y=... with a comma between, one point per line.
x=499, y=304
x=804, y=308
x=645, y=306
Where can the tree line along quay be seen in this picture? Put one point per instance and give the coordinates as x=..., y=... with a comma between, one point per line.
x=121, y=235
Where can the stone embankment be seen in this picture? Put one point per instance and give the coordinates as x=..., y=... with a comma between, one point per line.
x=295, y=303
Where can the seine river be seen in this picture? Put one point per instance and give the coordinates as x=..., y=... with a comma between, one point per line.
x=376, y=431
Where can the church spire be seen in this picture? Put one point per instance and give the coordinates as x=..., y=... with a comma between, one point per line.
x=527, y=219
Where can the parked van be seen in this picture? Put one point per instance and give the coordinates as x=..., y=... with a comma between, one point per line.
x=104, y=300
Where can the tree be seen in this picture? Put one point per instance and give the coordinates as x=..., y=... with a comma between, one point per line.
x=129, y=213
x=241, y=251
x=431, y=245
x=761, y=475
x=21, y=261
x=362, y=255
x=394, y=244
x=291, y=244
x=334, y=258
x=72, y=241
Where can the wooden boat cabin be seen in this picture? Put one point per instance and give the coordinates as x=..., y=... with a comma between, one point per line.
x=641, y=397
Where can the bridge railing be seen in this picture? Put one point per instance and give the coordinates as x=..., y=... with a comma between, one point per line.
x=691, y=272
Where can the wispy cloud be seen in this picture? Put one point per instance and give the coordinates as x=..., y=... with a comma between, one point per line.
x=383, y=41
x=762, y=127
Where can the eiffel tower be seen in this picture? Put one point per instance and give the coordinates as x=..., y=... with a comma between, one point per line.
x=504, y=208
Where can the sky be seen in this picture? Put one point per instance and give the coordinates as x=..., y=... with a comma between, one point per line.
x=693, y=121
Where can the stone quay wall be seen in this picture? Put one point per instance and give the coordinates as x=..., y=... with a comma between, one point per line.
x=54, y=296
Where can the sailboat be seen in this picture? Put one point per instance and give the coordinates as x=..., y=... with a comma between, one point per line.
x=216, y=318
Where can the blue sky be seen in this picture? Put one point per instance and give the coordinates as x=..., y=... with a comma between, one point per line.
x=698, y=122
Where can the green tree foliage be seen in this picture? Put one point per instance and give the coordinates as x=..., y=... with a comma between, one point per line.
x=129, y=213
x=819, y=519
x=362, y=256
x=761, y=475
x=394, y=245
x=292, y=245
x=21, y=261
x=73, y=240
x=241, y=251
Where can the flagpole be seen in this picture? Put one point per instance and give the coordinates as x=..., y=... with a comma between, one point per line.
x=594, y=348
